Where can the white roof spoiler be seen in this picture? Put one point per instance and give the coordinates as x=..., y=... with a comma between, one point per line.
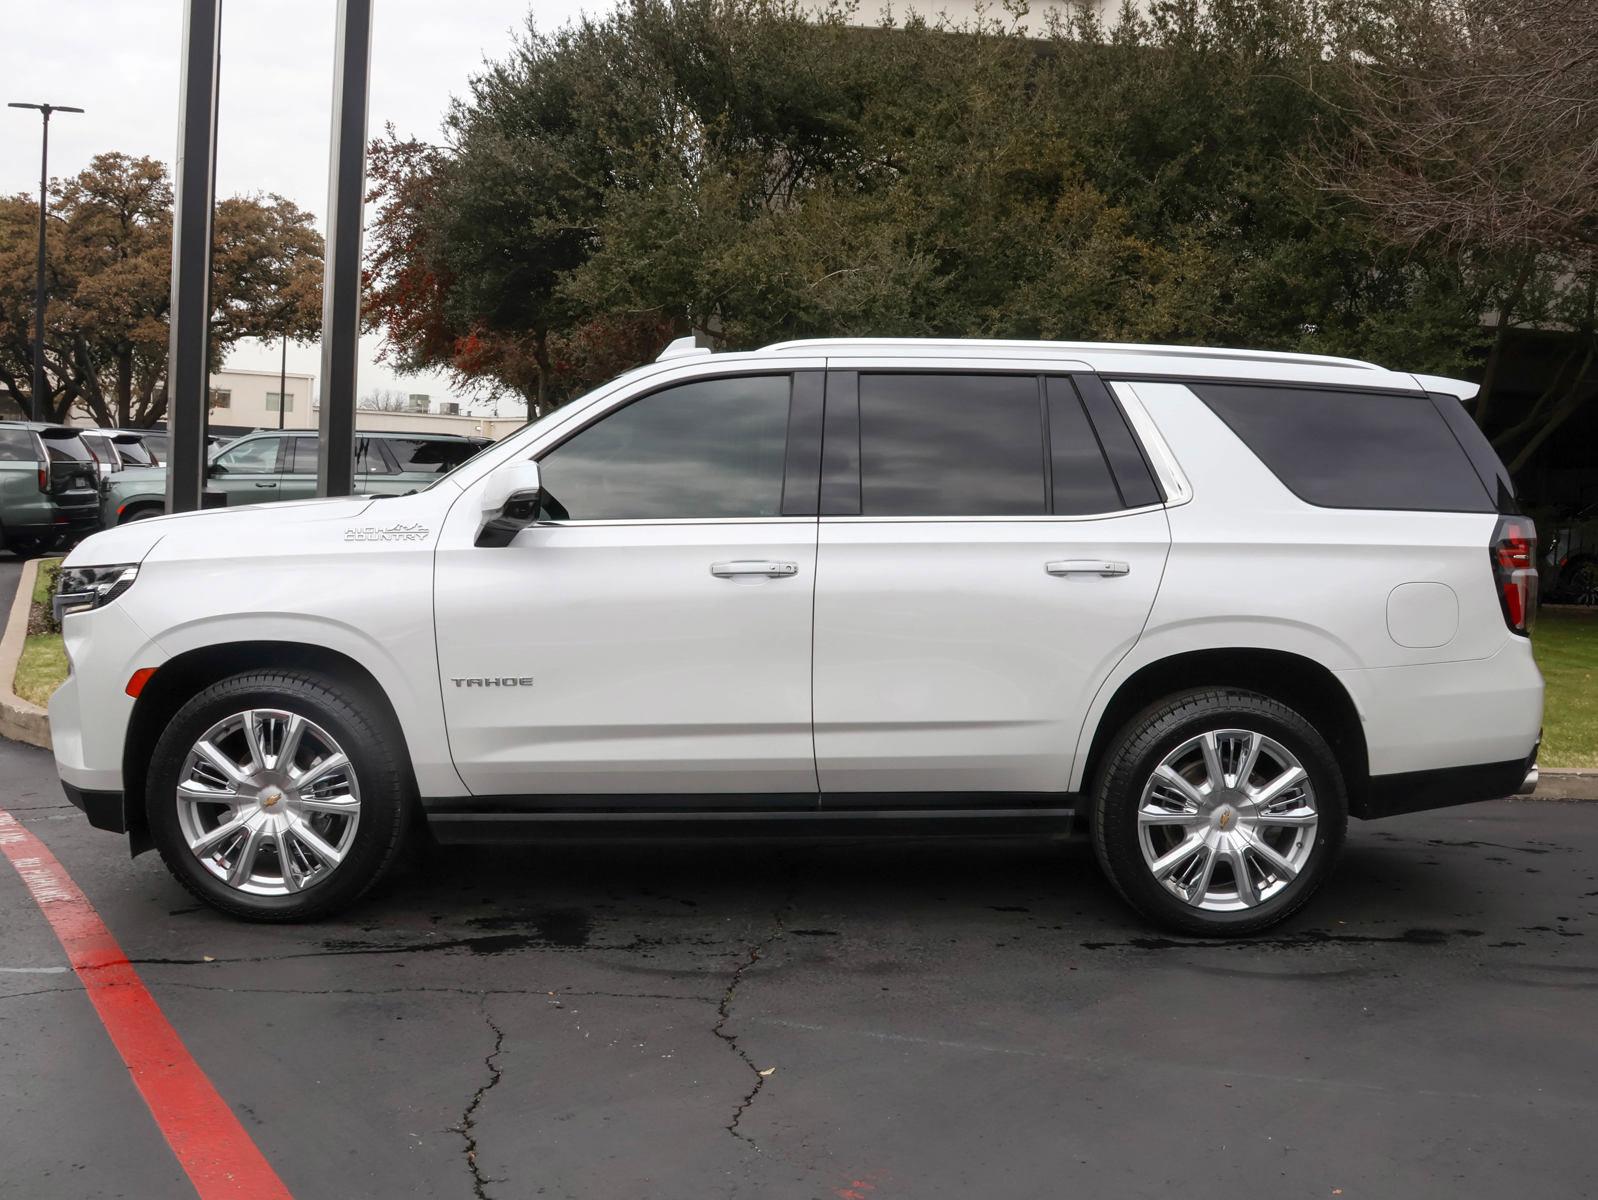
x=1463, y=389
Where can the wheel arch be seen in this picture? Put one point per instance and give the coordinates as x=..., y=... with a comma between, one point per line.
x=187, y=674
x=1301, y=683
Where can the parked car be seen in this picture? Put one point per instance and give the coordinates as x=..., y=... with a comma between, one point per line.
x=117, y=449
x=281, y=465
x=1571, y=558
x=1214, y=602
x=47, y=486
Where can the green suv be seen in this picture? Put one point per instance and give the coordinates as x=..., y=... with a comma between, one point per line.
x=281, y=465
x=47, y=486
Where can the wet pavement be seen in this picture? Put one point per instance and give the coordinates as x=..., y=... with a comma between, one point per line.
x=864, y=1021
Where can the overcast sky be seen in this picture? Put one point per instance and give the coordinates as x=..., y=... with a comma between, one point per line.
x=118, y=60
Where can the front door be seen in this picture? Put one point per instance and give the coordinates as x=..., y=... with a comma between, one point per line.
x=249, y=470
x=981, y=571
x=650, y=635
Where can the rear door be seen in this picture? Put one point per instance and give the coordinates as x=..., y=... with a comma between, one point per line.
x=981, y=567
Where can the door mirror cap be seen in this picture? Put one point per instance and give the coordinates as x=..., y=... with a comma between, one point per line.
x=511, y=501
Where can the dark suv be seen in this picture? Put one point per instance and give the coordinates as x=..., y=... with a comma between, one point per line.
x=47, y=486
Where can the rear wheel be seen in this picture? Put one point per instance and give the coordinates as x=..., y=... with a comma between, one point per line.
x=272, y=796
x=1218, y=812
x=142, y=513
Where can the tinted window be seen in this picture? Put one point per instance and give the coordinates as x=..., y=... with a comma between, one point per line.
x=951, y=445
x=1346, y=449
x=424, y=456
x=302, y=456
x=131, y=453
x=16, y=445
x=713, y=448
x=1489, y=467
x=156, y=444
x=369, y=458
x=258, y=456
x=99, y=447
x=67, y=449
x=1082, y=481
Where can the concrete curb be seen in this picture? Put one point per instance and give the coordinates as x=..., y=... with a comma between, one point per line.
x=1566, y=783
x=20, y=720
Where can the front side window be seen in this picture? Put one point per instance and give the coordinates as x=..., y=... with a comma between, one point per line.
x=369, y=458
x=708, y=449
x=951, y=446
x=258, y=456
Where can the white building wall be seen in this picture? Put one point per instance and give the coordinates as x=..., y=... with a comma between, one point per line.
x=245, y=398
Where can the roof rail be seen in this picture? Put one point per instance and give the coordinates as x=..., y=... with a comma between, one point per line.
x=1063, y=348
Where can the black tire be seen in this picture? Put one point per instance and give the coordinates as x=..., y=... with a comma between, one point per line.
x=1143, y=743
x=142, y=513
x=376, y=755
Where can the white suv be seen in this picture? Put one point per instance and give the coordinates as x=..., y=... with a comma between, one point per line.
x=1215, y=602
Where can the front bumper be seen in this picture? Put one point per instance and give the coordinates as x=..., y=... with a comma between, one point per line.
x=105, y=810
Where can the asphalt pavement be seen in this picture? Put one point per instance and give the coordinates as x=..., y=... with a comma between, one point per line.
x=865, y=1021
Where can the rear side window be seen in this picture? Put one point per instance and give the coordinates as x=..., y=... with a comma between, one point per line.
x=16, y=445
x=951, y=446
x=1082, y=480
x=1349, y=449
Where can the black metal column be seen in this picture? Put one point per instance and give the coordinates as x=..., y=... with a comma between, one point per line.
x=41, y=297
x=341, y=281
x=188, y=364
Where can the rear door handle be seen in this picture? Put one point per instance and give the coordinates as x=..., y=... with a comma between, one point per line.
x=266, y=485
x=767, y=567
x=1087, y=566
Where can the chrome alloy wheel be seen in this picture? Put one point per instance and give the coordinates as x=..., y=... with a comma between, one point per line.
x=1227, y=820
x=268, y=802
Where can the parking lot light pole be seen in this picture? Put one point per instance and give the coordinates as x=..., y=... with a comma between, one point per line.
x=188, y=387
x=341, y=280
x=41, y=296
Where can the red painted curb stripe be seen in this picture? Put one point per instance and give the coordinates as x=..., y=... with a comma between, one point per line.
x=219, y=1158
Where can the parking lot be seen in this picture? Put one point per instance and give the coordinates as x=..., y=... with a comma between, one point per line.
x=860, y=1021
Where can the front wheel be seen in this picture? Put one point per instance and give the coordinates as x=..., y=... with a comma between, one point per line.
x=274, y=796
x=1218, y=812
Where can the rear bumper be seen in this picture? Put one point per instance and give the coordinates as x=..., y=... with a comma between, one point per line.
x=1444, y=787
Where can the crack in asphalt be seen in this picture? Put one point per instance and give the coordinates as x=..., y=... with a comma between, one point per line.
x=724, y=1014
x=405, y=989
x=468, y=1123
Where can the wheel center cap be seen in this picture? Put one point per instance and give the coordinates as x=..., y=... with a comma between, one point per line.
x=1225, y=817
x=270, y=797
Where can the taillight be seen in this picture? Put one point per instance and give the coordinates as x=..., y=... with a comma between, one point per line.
x=1514, y=557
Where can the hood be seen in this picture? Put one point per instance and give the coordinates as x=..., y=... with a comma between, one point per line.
x=223, y=531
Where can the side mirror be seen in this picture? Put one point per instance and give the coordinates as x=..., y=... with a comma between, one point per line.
x=215, y=469
x=511, y=501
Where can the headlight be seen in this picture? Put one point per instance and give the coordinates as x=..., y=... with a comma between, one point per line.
x=78, y=589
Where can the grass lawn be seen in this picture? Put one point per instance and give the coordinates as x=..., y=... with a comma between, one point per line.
x=43, y=664
x=1566, y=645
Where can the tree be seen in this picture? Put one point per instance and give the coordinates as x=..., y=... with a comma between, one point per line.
x=109, y=277
x=1474, y=137
x=385, y=400
x=750, y=171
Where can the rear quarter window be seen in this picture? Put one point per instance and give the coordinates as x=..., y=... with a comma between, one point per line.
x=1352, y=449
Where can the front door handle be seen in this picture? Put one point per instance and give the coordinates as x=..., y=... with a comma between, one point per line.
x=1087, y=566
x=762, y=566
x=266, y=485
